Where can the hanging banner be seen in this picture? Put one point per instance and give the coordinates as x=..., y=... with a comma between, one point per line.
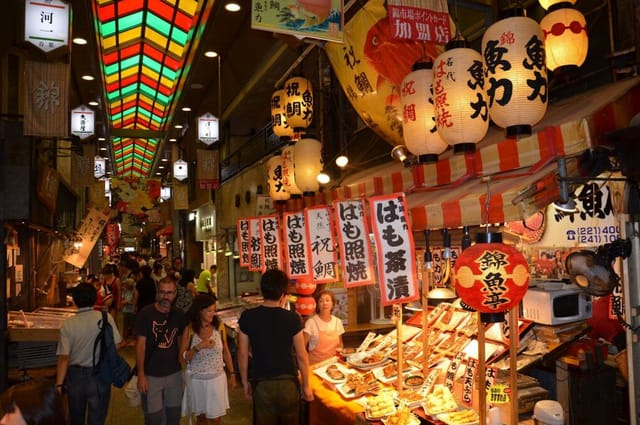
x=441, y=267
x=321, y=244
x=137, y=197
x=97, y=196
x=112, y=236
x=423, y=20
x=255, y=246
x=208, y=169
x=89, y=232
x=271, y=245
x=180, y=196
x=322, y=19
x=243, y=241
x=46, y=99
x=82, y=122
x=296, y=247
x=48, y=184
x=394, y=249
x=355, y=249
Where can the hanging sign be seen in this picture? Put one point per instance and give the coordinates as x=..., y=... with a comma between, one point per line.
x=271, y=245
x=112, y=236
x=99, y=166
x=427, y=20
x=355, y=249
x=89, y=232
x=243, y=241
x=321, y=244
x=180, y=170
x=208, y=129
x=208, y=169
x=395, y=248
x=82, y=122
x=255, y=246
x=46, y=24
x=296, y=248
x=442, y=270
x=180, y=197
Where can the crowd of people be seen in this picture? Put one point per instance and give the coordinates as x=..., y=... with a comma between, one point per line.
x=183, y=361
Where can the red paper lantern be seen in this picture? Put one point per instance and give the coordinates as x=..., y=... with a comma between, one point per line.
x=304, y=287
x=306, y=306
x=490, y=276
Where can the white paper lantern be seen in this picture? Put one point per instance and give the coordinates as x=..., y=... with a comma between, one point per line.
x=307, y=159
x=546, y=4
x=99, y=166
x=180, y=170
x=165, y=193
x=298, y=102
x=566, y=41
x=515, y=74
x=278, y=118
x=462, y=114
x=288, y=170
x=418, y=114
x=208, y=129
x=277, y=191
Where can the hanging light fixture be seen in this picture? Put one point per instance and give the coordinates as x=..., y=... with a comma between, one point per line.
x=288, y=171
x=515, y=74
x=418, y=114
x=277, y=191
x=546, y=4
x=165, y=193
x=298, y=102
x=180, y=170
x=99, y=167
x=400, y=154
x=565, y=204
x=566, y=41
x=462, y=115
x=307, y=165
x=278, y=118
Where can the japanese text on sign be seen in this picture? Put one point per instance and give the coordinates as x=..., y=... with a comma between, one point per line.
x=321, y=244
x=255, y=246
x=296, y=246
x=355, y=250
x=271, y=242
x=420, y=23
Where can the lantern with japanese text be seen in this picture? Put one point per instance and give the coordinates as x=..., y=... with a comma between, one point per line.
x=298, y=102
x=307, y=157
x=418, y=115
x=491, y=277
x=462, y=116
x=278, y=118
x=305, y=287
x=306, y=306
x=566, y=42
x=288, y=171
x=515, y=74
x=277, y=191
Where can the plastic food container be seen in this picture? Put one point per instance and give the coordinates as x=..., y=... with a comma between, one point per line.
x=548, y=412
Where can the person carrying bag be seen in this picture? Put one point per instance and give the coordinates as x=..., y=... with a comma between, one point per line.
x=111, y=367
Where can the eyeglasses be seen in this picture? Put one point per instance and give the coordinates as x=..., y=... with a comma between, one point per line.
x=559, y=28
x=163, y=293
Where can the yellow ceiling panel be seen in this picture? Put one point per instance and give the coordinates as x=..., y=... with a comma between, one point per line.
x=131, y=35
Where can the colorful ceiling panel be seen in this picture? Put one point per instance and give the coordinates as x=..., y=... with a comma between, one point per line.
x=146, y=47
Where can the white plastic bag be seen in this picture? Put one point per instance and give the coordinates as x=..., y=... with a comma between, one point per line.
x=131, y=392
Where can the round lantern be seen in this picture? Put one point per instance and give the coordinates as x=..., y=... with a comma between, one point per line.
x=288, y=171
x=306, y=306
x=418, y=115
x=278, y=118
x=462, y=115
x=304, y=287
x=546, y=4
x=307, y=157
x=515, y=74
x=491, y=277
x=277, y=191
x=565, y=38
x=298, y=102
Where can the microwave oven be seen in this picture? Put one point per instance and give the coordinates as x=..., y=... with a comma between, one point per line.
x=556, y=304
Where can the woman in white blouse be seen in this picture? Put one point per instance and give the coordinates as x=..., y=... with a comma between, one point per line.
x=323, y=331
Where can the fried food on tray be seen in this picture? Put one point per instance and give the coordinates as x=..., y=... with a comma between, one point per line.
x=334, y=373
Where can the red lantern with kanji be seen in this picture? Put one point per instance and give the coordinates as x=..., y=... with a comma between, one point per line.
x=306, y=306
x=491, y=277
x=305, y=287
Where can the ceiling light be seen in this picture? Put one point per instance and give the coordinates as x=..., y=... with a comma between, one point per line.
x=103, y=148
x=93, y=103
x=232, y=7
x=186, y=109
x=161, y=167
x=323, y=178
x=211, y=54
x=79, y=41
x=342, y=161
x=158, y=174
x=178, y=126
x=88, y=77
x=165, y=159
x=173, y=139
x=101, y=139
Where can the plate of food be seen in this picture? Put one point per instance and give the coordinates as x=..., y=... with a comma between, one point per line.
x=334, y=373
x=379, y=407
x=439, y=401
x=357, y=384
x=389, y=372
x=410, y=397
x=367, y=359
x=414, y=380
x=460, y=417
x=402, y=416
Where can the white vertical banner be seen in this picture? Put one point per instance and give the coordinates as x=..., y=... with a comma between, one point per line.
x=243, y=241
x=255, y=246
x=296, y=247
x=89, y=232
x=321, y=244
x=271, y=245
x=353, y=237
x=395, y=249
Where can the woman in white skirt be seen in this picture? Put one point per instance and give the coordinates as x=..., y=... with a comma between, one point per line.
x=205, y=352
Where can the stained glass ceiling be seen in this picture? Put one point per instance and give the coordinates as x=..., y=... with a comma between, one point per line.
x=146, y=48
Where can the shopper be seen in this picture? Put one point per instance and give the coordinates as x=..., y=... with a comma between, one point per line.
x=205, y=352
x=273, y=334
x=110, y=288
x=158, y=272
x=88, y=396
x=159, y=327
x=323, y=331
x=203, y=284
x=145, y=290
x=186, y=290
x=128, y=311
x=33, y=402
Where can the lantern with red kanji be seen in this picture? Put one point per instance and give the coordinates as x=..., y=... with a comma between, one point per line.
x=491, y=277
x=306, y=306
x=305, y=287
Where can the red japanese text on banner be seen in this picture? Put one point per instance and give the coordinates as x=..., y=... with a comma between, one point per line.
x=112, y=236
x=89, y=231
x=452, y=370
x=255, y=246
x=321, y=244
x=468, y=379
x=271, y=244
x=422, y=20
x=442, y=270
x=243, y=241
x=355, y=247
x=296, y=247
x=395, y=249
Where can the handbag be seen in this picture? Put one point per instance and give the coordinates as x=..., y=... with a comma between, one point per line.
x=111, y=368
